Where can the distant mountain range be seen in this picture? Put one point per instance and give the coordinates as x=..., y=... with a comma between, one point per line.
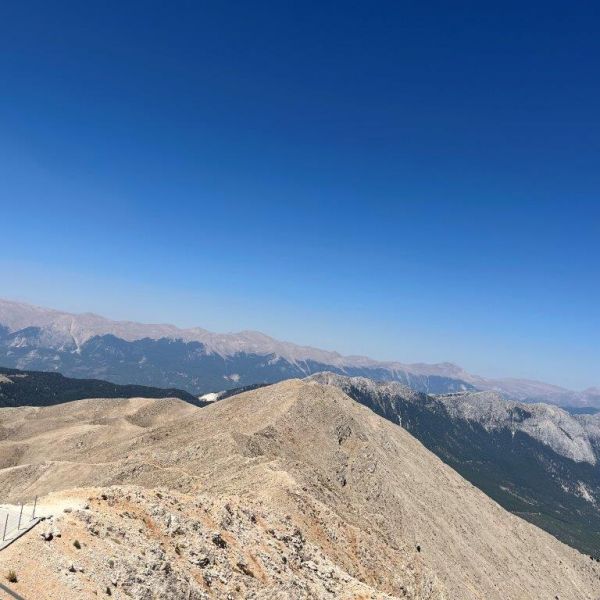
x=87, y=345
x=40, y=388
x=535, y=460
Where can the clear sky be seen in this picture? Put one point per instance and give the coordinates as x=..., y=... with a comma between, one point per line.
x=407, y=180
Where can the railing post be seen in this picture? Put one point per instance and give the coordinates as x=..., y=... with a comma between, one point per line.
x=5, y=527
x=20, y=515
x=34, y=505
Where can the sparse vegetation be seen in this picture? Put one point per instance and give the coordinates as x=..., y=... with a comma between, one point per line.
x=77, y=544
x=12, y=576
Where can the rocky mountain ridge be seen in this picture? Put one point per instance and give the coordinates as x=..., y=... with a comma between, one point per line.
x=291, y=490
x=536, y=460
x=572, y=436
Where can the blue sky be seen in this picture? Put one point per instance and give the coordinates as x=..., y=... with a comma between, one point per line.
x=405, y=180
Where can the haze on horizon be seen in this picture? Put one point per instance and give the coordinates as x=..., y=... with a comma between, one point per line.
x=400, y=181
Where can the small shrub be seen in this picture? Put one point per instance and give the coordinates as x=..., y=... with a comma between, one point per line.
x=12, y=576
x=177, y=550
x=77, y=544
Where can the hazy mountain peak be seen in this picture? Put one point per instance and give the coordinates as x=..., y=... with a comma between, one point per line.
x=65, y=327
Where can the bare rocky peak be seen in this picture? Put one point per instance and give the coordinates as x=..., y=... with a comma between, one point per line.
x=292, y=490
x=364, y=384
x=591, y=425
x=574, y=437
x=566, y=434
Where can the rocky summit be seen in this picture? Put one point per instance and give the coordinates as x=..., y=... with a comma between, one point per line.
x=288, y=491
x=536, y=460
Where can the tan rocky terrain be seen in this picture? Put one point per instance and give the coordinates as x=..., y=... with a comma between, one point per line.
x=289, y=491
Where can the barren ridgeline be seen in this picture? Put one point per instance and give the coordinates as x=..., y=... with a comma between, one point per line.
x=288, y=491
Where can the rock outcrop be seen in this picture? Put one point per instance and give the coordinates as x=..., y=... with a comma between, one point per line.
x=536, y=460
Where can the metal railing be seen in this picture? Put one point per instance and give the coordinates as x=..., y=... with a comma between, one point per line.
x=21, y=525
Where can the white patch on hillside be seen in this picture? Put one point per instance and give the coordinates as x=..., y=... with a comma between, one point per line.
x=585, y=493
x=211, y=397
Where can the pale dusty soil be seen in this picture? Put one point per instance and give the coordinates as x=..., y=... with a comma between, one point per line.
x=158, y=544
x=313, y=495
